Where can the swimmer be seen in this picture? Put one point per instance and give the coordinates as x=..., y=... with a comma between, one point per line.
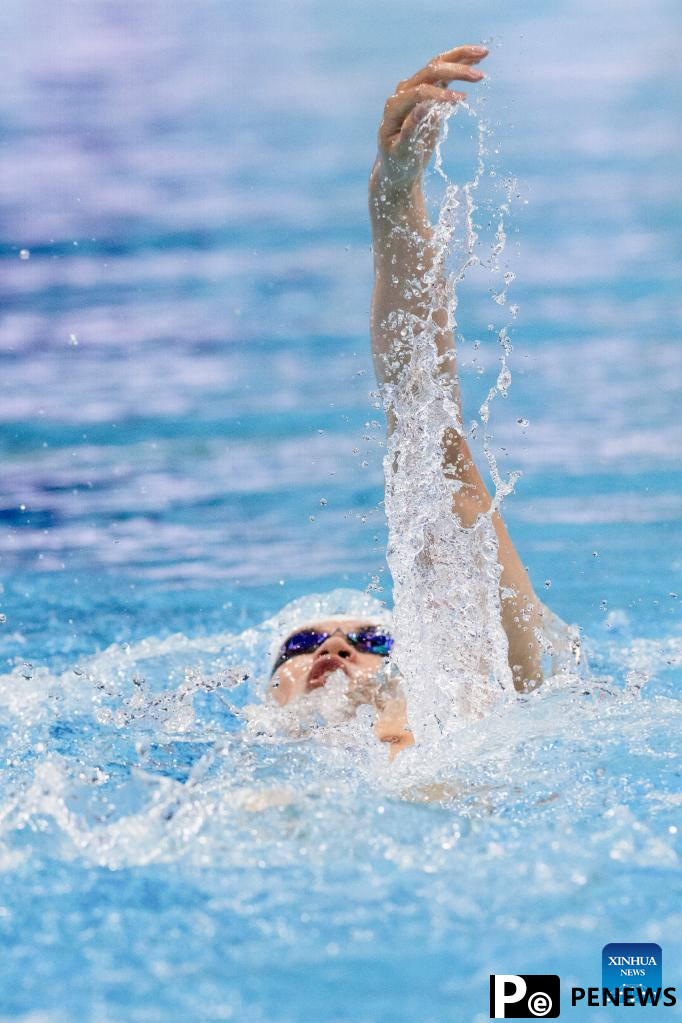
x=407, y=286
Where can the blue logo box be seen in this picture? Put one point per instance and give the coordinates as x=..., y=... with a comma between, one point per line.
x=631, y=964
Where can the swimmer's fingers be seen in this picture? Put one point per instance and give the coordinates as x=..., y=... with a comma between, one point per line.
x=415, y=102
x=407, y=134
x=391, y=724
x=457, y=58
x=440, y=72
x=469, y=54
x=455, y=65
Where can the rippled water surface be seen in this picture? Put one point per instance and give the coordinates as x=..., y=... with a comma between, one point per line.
x=188, y=441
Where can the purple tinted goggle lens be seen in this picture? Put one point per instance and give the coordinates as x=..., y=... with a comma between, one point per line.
x=368, y=641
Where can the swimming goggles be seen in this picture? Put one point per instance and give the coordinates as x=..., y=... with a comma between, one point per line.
x=369, y=640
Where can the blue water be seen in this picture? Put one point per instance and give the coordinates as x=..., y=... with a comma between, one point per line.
x=185, y=377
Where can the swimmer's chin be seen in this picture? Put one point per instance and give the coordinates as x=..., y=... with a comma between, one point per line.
x=324, y=667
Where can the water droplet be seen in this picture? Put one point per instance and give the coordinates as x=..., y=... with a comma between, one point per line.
x=504, y=380
x=24, y=254
x=523, y=423
x=323, y=501
x=595, y=554
x=603, y=604
x=548, y=583
x=3, y=619
x=73, y=340
x=312, y=518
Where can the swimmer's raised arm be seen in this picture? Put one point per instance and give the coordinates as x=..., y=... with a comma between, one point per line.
x=409, y=286
x=403, y=254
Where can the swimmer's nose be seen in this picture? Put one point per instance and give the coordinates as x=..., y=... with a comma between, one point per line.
x=336, y=644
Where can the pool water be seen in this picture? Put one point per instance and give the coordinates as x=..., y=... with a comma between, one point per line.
x=190, y=440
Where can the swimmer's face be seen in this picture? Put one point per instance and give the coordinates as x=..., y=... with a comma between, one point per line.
x=305, y=673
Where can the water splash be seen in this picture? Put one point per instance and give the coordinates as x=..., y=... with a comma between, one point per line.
x=194, y=766
x=450, y=644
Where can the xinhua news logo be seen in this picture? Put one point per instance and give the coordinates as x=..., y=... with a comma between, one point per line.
x=631, y=974
x=632, y=964
x=525, y=996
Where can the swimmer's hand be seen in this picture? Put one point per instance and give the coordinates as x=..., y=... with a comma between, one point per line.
x=406, y=140
x=391, y=726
